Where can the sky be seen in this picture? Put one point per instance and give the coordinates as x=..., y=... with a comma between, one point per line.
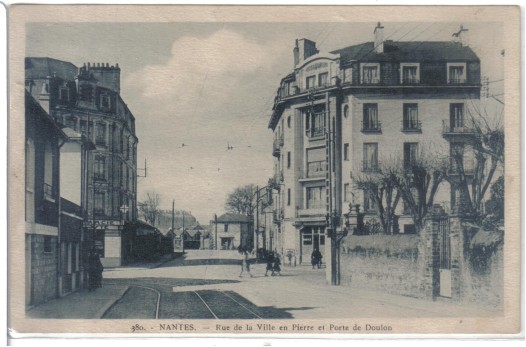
x=211, y=85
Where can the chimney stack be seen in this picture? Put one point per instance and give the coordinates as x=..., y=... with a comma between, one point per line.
x=379, y=38
x=303, y=50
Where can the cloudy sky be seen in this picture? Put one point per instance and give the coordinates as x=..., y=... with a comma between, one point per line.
x=211, y=84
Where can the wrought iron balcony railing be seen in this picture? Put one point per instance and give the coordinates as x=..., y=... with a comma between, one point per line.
x=371, y=127
x=316, y=132
x=370, y=166
x=411, y=126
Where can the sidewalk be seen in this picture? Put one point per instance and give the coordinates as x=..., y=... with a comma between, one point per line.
x=79, y=305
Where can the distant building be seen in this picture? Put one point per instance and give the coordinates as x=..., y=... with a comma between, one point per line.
x=230, y=231
x=43, y=139
x=87, y=100
x=339, y=115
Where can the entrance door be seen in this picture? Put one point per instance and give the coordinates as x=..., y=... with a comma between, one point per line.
x=444, y=242
x=312, y=238
x=226, y=243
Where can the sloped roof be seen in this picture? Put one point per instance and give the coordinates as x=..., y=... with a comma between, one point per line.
x=408, y=51
x=232, y=218
x=49, y=67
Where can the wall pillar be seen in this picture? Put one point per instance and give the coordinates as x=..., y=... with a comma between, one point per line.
x=112, y=246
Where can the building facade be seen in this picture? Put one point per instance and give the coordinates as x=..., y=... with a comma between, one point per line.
x=87, y=100
x=343, y=114
x=43, y=139
x=230, y=231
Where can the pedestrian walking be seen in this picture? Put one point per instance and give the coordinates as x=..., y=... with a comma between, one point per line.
x=315, y=258
x=245, y=262
x=270, y=264
x=276, y=268
x=95, y=270
x=289, y=256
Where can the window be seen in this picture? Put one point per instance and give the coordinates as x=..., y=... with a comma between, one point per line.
x=456, y=73
x=307, y=239
x=101, y=134
x=63, y=94
x=369, y=204
x=311, y=82
x=99, y=170
x=315, y=121
x=410, y=73
x=347, y=75
x=30, y=180
x=105, y=101
x=370, y=121
x=288, y=160
x=288, y=197
x=346, y=111
x=99, y=203
x=226, y=228
x=410, y=154
x=315, y=197
x=346, y=192
x=48, y=171
x=86, y=92
x=410, y=121
x=48, y=246
x=288, y=121
x=346, y=151
x=462, y=153
x=128, y=148
x=370, y=157
x=323, y=79
x=370, y=73
x=316, y=163
x=456, y=116
x=71, y=122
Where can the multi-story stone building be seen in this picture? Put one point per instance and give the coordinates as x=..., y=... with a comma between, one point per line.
x=339, y=115
x=88, y=100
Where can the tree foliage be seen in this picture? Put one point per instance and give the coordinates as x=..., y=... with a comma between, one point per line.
x=240, y=200
x=149, y=208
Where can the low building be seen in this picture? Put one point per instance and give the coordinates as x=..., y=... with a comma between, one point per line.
x=231, y=231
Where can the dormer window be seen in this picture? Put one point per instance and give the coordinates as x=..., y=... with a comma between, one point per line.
x=410, y=73
x=86, y=92
x=456, y=73
x=63, y=94
x=105, y=101
x=370, y=73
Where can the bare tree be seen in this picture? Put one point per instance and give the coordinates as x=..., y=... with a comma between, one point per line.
x=150, y=208
x=241, y=200
x=418, y=181
x=486, y=141
x=381, y=187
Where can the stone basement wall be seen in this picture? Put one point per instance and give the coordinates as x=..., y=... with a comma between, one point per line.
x=43, y=270
x=384, y=263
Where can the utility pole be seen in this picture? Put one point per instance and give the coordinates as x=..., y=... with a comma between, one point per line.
x=173, y=223
x=257, y=220
x=215, y=222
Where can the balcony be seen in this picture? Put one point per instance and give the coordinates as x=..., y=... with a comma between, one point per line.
x=412, y=126
x=466, y=129
x=316, y=169
x=276, y=146
x=315, y=211
x=99, y=176
x=457, y=81
x=371, y=127
x=369, y=81
x=315, y=132
x=410, y=81
x=370, y=167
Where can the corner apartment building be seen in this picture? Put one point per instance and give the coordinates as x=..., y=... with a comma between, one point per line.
x=87, y=100
x=339, y=115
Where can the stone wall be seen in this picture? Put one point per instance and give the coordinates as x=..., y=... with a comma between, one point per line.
x=384, y=263
x=43, y=269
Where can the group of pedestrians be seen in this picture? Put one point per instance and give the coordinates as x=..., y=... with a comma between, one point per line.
x=273, y=264
x=272, y=260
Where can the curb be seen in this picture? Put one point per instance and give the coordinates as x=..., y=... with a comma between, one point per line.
x=100, y=313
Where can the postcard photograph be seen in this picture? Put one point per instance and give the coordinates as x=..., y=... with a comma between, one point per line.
x=264, y=170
